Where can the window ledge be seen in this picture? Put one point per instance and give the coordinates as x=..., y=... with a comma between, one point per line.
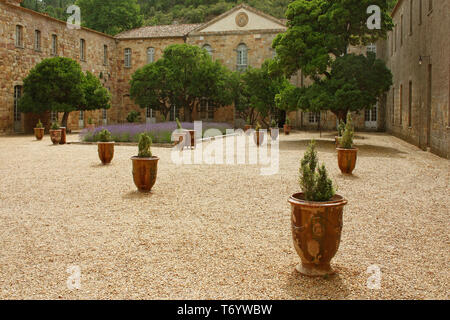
x=20, y=47
x=38, y=50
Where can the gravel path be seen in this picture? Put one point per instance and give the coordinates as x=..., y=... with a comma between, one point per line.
x=216, y=232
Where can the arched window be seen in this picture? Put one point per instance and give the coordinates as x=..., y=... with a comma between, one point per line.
x=150, y=55
x=209, y=49
x=127, y=59
x=242, y=57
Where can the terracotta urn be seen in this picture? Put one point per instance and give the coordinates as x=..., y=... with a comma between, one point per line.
x=247, y=127
x=316, y=231
x=39, y=133
x=144, y=172
x=106, y=151
x=192, y=134
x=63, y=135
x=347, y=159
x=258, y=138
x=287, y=129
x=55, y=136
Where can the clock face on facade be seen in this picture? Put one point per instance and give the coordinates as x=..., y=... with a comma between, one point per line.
x=242, y=19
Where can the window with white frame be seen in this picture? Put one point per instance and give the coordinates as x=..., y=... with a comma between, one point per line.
x=314, y=117
x=54, y=44
x=149, y=113
x=242, y=57
x=54, y=116
x=17, y=95
x=81, y=116
x=208, y=49
x=104, y=114
x=37, y=40
x=206, y=110
x=150, y=55
x=19, y=36
x=127, y=58
x=372, y=48
x=174, y=113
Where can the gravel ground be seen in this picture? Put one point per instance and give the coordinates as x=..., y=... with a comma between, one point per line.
x=216, y=232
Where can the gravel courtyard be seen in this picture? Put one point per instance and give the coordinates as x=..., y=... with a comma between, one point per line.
x=216, y=232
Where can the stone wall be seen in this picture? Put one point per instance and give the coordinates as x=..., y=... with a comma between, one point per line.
x=427, y=124
x=15, y=62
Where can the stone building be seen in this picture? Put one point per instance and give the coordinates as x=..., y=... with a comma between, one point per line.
x=417, y=52
x=239, y=38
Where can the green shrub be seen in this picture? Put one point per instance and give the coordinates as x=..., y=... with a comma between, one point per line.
x=134, y=116
x=90, y=121
x=288, y=121
x=55, y=126
x=258, y=126
x=248, y=121
x=316, y=186
x=273, y=124
x=145, y=143
x=346, y=141
x=39, y=124
x=104, y=136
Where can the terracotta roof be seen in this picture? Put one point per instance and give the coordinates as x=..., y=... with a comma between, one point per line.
x=173, y=30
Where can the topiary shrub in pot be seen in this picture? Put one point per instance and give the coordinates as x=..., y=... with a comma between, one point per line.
x=287, y=126
x=145, y=165
x=55, y=133
x=39, y=130
x=347, y=154
x=274, y=131
x=316, y=217
x=105, y=147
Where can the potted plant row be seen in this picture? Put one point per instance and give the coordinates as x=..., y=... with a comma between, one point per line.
x=316, y=217
x=105, y=147
x=347, y=154
x=145, y=165
x=39, y=130
x=55, y=133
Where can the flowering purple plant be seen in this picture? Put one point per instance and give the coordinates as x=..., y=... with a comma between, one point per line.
x=159, y=132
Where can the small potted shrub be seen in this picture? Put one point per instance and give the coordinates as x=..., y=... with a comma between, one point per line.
x=259, y=135
x=105, y=146
x=55, y=133
x=347, y=154
x=316, y=217
x=39, y=130
x=341, y=128
x=274, y=130
x=287, y=126
x=145, y=165
x=90, y=125
x=248, y=124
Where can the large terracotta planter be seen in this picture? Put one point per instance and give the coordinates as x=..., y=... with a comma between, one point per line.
x=55, y=136
x=258, y=138
x=106, y=152
x=347, y=159
x=39, y=133
x=247, y=127
x=144, y=172
x=287, y=129
x=316, y=231
x=63, y=135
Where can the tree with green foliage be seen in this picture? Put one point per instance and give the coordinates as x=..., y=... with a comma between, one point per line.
x=189, y=76
x=110, y=16
x=317, y=42
x=58, y=84
x=261, y=88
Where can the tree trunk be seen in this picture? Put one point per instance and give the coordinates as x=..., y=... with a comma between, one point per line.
x=187, y=114
x=341, y=115
x=64, y=120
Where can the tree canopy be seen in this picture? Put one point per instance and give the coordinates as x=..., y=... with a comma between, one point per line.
x=317, y=41
x=182, y=77
x=58, y=84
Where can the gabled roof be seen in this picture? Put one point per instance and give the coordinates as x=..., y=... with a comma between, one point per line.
x=239, y=7
x=165, y=31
